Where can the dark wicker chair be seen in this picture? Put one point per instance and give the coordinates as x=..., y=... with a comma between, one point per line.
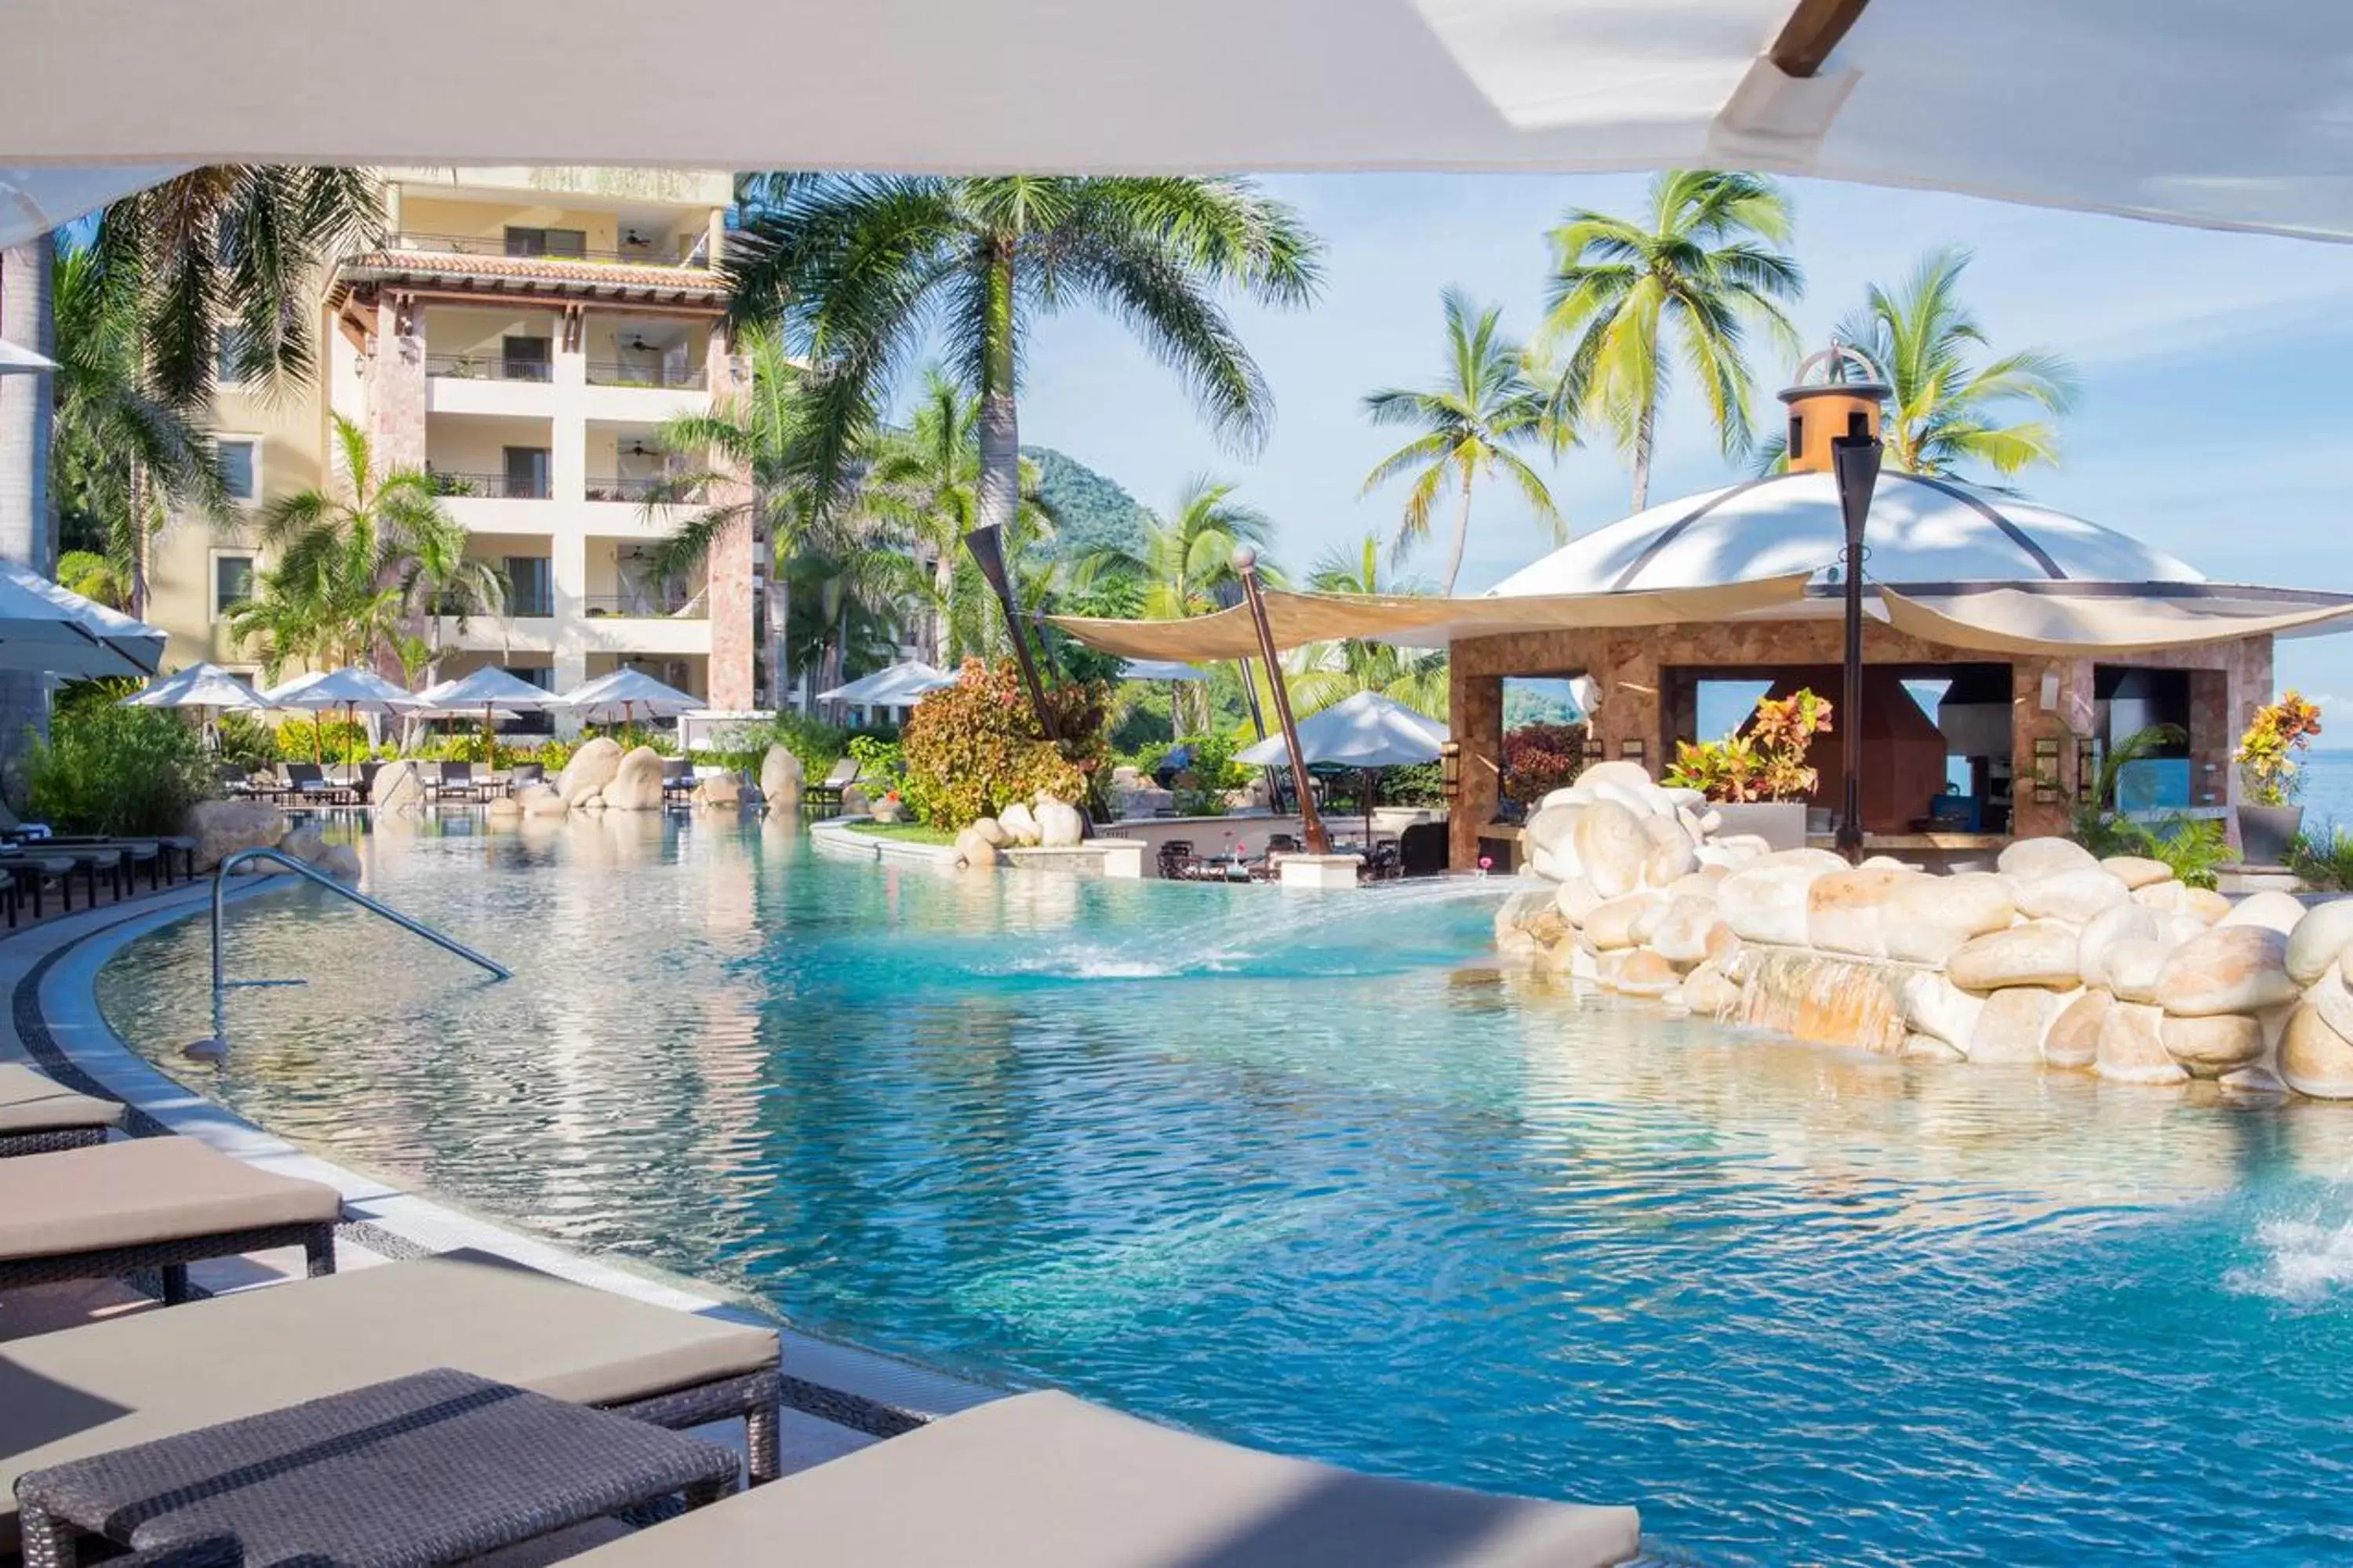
x=1175, y=860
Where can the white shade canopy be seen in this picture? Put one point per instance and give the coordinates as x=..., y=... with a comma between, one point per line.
x=490, y=689
x=627, y=695
x=898, y=686
x=17, y=360
x=199, y=686
x=49, y=630
x=1365, y=730
x=2187, y=111
x=353, y=688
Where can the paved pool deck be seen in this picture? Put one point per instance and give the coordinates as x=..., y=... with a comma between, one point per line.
x=839, y=1398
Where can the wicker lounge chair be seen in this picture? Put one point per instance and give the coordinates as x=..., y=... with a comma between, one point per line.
x=1044, y=1481
x=456, y=781
x=827, y=791
x=152, y=1202
x=677, y=780
x=105, y=1385
x=40, y=1116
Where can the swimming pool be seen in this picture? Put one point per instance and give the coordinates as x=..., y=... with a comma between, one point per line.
x=1307, y=1172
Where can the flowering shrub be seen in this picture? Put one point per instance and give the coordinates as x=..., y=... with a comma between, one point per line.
x=2267, y=751
x=1766, y=762
x=973, y=749
x=1541, y=757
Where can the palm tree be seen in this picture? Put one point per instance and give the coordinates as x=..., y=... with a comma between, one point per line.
x=1946, y=412
x=756, y=438
x=353, y=573
x=866, y=268
x=223, y=262
x=1485, y=405
x=1183, y=563
x=1327, y=671
x=95, y=575
x=121, y=458
x=925, y=480
x=1699, y=264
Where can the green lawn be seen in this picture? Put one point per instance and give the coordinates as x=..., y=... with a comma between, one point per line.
x=914, y=833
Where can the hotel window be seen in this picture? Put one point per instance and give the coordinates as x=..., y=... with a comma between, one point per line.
x=239, y=460
x=229, y=357
x=232, y=583
x=546, y=241
x=530, y=586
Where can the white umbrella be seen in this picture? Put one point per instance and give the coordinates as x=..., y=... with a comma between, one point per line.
x=627, y=695
x=354, y=689
x=49, y=630
x=1364, y=731
x=205, y=687
x=491, y=691
x=16, y=360
x=898, y=686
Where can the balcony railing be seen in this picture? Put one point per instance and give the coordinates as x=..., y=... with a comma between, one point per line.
x=623, y=488
x=487, y=367
x=507, y=486
x=649, y=604
x=671, y=377
x=682, y=251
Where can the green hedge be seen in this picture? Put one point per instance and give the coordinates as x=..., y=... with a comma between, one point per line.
x=124, y=771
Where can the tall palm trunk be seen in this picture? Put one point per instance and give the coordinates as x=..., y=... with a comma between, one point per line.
x=943, y=590
x=1644, y=429
x=139, y=539
x=1000, y=425
x=1461, y=532
x=778, y=606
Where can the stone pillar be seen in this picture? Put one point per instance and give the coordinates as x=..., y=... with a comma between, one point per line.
x=2069, y=716
x=1475, y=710
x=396, y=385
x=1626, y=673
x=728, y=570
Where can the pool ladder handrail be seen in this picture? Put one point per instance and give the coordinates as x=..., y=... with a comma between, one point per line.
x=221, y=984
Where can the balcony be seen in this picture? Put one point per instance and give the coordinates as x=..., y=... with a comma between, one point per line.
x=689, y=250
x=667, y=377
x=493, y=486
x=638, y=492
x=488, y=367
x=649, y=604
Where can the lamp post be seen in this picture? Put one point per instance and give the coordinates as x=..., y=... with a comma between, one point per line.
x=987, y=549
x=1855, y=461
x=1310, y=825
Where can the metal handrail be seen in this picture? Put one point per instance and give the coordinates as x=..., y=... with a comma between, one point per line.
x=221, y=984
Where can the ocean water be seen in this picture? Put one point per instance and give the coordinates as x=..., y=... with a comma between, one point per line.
x=1313, y=1174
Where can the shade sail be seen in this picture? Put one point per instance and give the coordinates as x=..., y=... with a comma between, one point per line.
x=1365, y=730
x=628, y=695
x=16, y=360
x=898, y=686
x=2074, y=625
x=1419, y=622
x=2187, y=111
x=199, y=686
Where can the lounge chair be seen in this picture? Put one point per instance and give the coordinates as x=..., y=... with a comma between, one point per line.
x=1044, y=1481
x=525, y=774
x=828, y=791
x=1175, y=861
x=105, y=1385
x=677, y=780
x=40, y=1116
x=457, y=780
x=152, y=1202
x=31, y=870
x=1421, y=850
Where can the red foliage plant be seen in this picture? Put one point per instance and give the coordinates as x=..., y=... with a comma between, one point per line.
x=1541, y=757
x=973, y=749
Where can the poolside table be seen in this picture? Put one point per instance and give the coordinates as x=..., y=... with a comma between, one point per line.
x=433, y=1469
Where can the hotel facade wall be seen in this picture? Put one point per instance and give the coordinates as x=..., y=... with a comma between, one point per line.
x=2228, y=682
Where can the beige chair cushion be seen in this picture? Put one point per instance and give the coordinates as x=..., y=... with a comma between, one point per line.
x=30, y=1102
x=1045, y=1480
x=145, y=1190
x=152, y=1375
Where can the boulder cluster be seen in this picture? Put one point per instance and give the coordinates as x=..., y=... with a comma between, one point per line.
x=2055, y=957
x=1045, y=823
x=222, y=828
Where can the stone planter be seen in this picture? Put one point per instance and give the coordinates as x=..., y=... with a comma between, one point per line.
x=2265, y=832
x=1780, y=824
x=887, y=811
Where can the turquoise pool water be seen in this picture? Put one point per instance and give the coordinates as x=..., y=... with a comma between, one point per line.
x=1309, y=1173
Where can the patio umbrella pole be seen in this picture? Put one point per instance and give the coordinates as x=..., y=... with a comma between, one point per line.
x=1312, y=825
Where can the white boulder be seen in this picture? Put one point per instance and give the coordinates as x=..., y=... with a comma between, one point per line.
x=1059, y=826
x=2072, y=1041
x=1019, y=823
x=2319, y=939
x=2011, y=1027
x=2037, y=952
x=2132, y=1046
x=975, y=851
x=2210, y=1046
x=2073, y=897
x=2315, y=1059
x=2126, y=921
x=1845, y=910
x=1926, y=919
x=1611, y=847
x=781, y=779
x=221, y=828
x=2229, y=968
x=637, y=782
x=591, y=767
x=2030, y=860
x=2281, y=912
x=398, y=784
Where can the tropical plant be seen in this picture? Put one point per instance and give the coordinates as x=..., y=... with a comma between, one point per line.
x=118, y=771
x=2267, y=752
x=2194, y=850
x=2092, y=819
x=925, y=481
x=973, y=749
x=1185, y=565
x=868, y=269
x=1327, y=671
x=755, y=437
x=2322, y=858
x=350, y=570
x=1539, y=758
x=1763, y=761
x=1699, y=266
x=1484, y=406
x=123, y=459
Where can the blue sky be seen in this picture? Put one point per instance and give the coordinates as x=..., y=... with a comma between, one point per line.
x=2214, y=420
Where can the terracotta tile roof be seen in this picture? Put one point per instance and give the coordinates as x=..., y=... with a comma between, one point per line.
x=548, y=271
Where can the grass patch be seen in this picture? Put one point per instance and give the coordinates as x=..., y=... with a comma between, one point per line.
x=912, y=833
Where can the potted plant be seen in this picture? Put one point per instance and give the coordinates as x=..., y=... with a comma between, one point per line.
x=1757, y=778
x=2269, y=817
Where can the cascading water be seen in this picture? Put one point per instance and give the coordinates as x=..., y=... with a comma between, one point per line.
x=1826, y=999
